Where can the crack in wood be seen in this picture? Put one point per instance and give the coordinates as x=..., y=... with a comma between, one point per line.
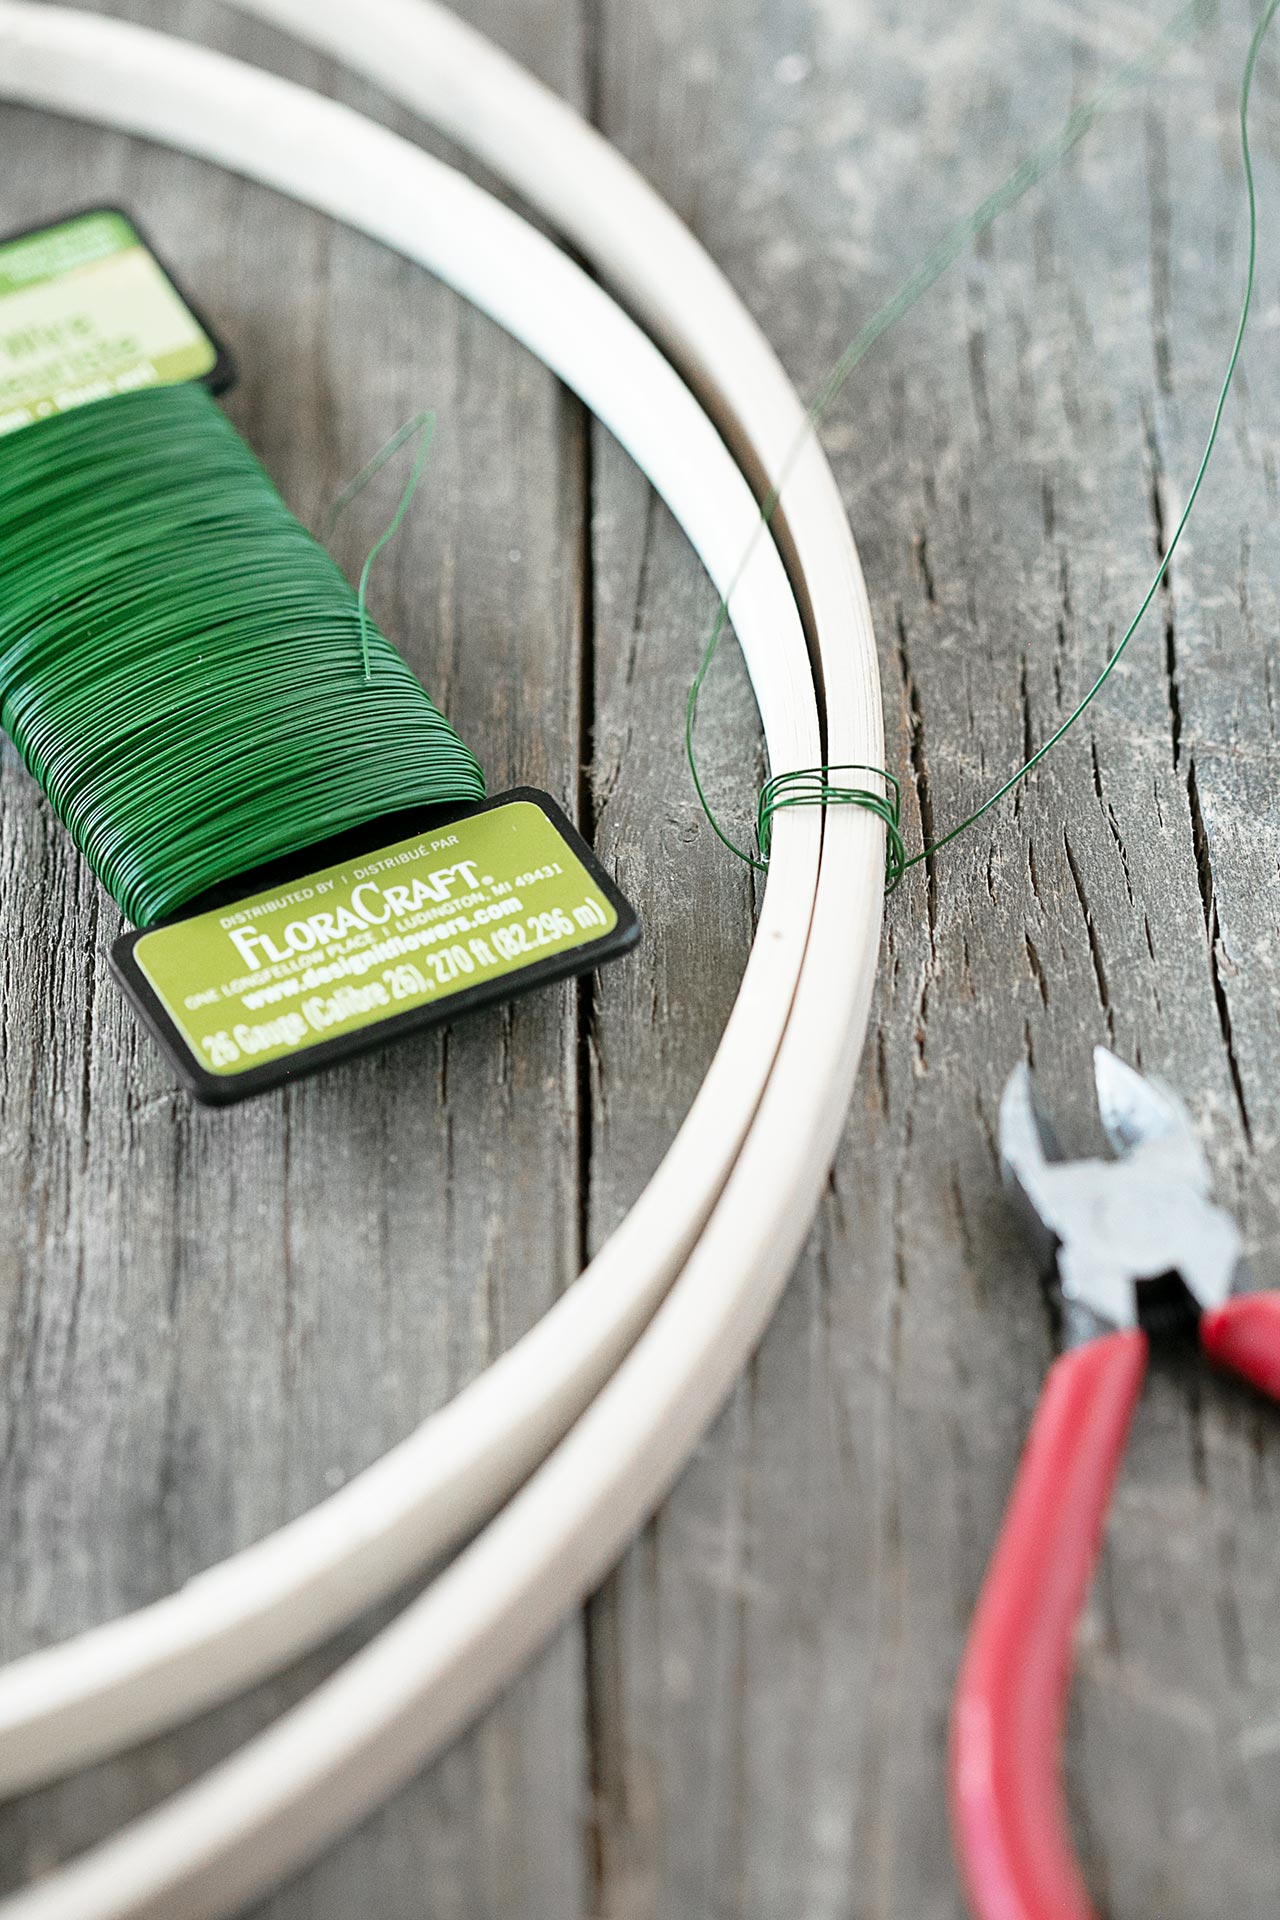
x=1209, y=903
x=1091, y=931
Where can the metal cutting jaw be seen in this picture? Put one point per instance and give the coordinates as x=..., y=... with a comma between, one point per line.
x=1120, y=1230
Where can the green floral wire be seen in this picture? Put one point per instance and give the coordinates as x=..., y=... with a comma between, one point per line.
x=811, y=786
x=181, y=662
x=423, y=424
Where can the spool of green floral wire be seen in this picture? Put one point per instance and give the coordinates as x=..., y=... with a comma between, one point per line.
x=183, y=668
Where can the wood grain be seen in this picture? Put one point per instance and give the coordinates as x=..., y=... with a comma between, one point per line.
x=208, y=1320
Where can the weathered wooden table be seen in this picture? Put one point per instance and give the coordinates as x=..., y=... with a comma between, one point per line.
x=208, y=1320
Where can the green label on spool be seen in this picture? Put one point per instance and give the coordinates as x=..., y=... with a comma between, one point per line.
x=86, y=312
x=503, y=898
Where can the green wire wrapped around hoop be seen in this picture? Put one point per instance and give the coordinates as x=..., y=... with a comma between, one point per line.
x=811, y=787
x=183, y=668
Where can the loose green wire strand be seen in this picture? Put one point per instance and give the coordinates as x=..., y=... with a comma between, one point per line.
x=810, y=786
x=423, y=424
x=183, y=668
x=1046, y=746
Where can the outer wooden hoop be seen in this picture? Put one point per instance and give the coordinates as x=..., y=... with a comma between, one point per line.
x=860, y=874
x=65, y=1706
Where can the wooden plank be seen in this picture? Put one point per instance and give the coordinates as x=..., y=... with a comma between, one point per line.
x=781, y=1646
x=753, y=1720
x=211, y=1320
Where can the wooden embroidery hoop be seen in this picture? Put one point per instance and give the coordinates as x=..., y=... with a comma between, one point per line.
x=614, y=1386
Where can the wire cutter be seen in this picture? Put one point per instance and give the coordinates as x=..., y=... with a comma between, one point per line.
x=1139, y=1247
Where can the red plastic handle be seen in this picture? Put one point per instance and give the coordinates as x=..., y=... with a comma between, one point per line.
x=1008, y=1809
x=1245, y=1336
